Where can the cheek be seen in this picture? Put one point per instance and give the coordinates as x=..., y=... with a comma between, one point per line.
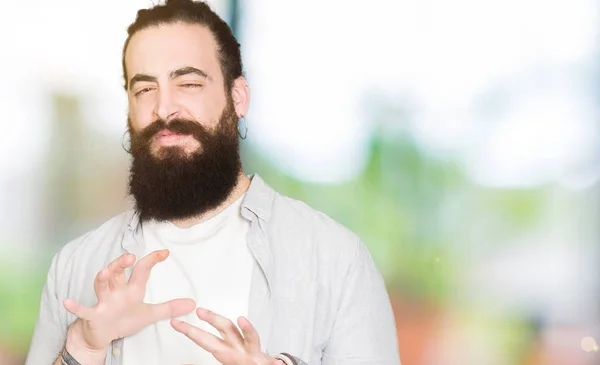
x=139, y=118
x=206, y=112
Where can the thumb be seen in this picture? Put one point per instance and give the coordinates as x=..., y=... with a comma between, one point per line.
x=171, y=309
x=77, y=309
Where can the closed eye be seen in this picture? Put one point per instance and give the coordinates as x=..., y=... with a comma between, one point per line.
x=191, y=85
x=143, y=91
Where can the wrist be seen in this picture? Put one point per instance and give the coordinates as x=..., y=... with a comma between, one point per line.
x=77, y=347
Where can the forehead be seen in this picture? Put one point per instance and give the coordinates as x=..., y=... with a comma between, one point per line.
x=161, y=49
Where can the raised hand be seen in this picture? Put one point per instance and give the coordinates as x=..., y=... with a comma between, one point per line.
x=234, y=348
x=120, y=310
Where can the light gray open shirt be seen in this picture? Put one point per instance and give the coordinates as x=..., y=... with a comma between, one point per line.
x=315, y=290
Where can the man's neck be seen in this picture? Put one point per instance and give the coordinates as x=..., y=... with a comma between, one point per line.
x=241, y=186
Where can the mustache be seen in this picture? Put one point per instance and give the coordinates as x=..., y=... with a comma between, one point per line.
x=179, y=126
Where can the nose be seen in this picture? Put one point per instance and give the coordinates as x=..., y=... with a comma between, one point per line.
x=166, y=108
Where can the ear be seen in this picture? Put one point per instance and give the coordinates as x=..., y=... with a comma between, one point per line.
x=240, y=93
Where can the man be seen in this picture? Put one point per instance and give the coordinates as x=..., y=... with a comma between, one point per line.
x=252, y=277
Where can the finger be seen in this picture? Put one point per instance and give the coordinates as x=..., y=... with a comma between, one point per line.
x=117, y=270
x=141, y=271
x=206, y=340
x=226, y=328
x=101, y=286
x=251, y=338
x=171, y=309
x=77, y=309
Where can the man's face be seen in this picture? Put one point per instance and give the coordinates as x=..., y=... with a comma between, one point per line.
x=174, y=73
x=183, y=124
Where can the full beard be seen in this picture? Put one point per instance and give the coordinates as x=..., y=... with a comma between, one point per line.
x=172, y=184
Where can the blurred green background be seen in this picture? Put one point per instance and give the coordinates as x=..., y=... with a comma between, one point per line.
x=458, y=138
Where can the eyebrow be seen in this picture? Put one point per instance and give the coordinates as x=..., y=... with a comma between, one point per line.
x=172, y=75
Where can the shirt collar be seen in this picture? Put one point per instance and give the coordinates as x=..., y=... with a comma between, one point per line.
x=258, y=200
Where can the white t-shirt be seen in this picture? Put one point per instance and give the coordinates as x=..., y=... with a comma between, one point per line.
x=210, y=263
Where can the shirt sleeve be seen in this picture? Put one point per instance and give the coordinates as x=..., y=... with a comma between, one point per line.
x=364, y=331
x=49, y=335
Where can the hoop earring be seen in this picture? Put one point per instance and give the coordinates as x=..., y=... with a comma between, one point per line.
x=126, y=148
x=245, y=134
